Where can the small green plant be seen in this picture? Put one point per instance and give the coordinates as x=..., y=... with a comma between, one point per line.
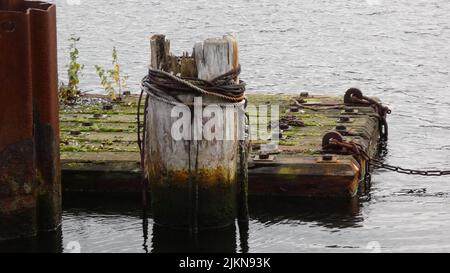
x=69, y=92
x=106, y=82
x=112, y=78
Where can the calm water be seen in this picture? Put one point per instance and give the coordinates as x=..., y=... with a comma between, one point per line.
x=398, y=50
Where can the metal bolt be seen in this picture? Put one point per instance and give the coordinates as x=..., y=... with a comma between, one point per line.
x=263, y=156
x=87, y=123
x=75, y=133
x=107, y=107
x=284, y=126
x=256, y=146
x=327, y=157
x=295, y=109
x=341, y=128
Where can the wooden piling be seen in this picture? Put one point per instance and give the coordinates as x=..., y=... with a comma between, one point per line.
x=193, y=182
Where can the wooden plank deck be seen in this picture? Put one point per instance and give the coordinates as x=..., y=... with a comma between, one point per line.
x=104, y=156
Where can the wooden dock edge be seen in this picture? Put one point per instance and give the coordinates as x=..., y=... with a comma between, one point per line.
x=290, y=174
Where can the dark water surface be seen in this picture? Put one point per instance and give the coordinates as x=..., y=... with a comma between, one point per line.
x=397, y=50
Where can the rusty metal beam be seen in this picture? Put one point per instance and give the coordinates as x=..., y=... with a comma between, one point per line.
x=29, y=132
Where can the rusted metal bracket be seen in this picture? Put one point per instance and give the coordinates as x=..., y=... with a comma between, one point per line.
x=327, y=145
x=354, y=96
x=28, y=117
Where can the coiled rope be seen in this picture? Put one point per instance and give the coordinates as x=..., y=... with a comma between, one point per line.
x=224, y=86
x=159, y=81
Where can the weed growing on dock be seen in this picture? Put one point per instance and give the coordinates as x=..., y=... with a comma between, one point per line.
x=106, y=82
x=69, y=92
x=112, y=78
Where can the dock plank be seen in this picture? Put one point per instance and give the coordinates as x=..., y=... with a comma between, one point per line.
x=107, y=149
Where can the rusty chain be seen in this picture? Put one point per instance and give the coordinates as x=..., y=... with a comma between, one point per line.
x=357, y=150
x=355, y=96
x=381, y=165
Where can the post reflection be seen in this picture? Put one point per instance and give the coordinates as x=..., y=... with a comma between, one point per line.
x=243, y=236
x=166, y=240
x=46, y=242
x=327, y=213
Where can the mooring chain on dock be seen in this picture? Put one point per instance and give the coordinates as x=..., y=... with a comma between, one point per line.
x=381, y=165
x=355, y=96
x=357, y=150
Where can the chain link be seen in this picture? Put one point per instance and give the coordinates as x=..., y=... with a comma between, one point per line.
x=397, y=169
x=357, y=150
x=354, y=95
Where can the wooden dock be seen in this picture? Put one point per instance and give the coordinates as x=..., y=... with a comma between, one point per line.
x=100, y=154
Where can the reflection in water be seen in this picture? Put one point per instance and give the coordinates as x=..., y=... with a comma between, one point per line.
x=145, y=230
x=243, y=236
x=119, y=225
x=48, y=242
x=327, y=213
x=167, y=240
x=397, y=52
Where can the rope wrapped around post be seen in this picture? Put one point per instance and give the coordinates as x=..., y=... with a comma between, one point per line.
x=161, y=81
x=222, y=87
x=194, y=180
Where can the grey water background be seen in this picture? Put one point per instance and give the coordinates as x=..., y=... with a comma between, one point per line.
x=397, y=50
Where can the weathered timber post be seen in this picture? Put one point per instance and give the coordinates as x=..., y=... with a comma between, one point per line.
x=193, y=180
x=30, y=190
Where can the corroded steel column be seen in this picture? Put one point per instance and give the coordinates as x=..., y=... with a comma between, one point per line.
x=29, y=135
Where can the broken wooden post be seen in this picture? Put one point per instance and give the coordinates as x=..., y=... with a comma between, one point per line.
x=193, y=180
x=30, y=190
